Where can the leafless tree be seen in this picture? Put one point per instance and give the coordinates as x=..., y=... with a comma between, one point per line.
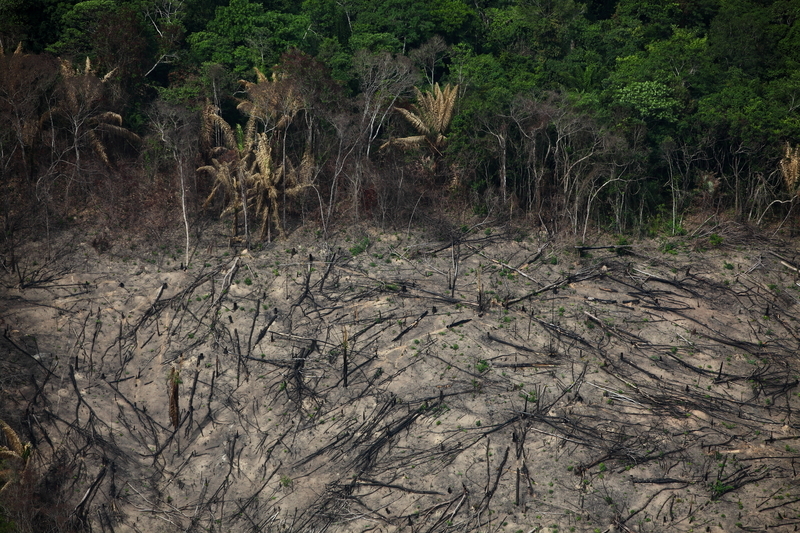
x=384, y=79
x=178, y=131
x=429, y=56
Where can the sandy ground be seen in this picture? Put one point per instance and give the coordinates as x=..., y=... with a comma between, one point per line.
x=491, y=381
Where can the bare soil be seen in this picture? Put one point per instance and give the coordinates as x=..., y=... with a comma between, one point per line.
x=482, y=379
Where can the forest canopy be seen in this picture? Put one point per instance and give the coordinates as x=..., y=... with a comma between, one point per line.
x=616, y=114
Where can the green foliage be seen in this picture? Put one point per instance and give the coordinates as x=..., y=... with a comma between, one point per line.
x=453, y=18
x=649, y=99
x=745, y=34
x=407, y=23
x=567, y=109
x=243, y=35
x=78, y=25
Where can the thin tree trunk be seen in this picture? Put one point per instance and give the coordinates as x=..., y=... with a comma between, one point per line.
x=183, y=207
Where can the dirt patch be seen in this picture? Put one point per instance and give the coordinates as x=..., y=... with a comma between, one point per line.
x=488, y=382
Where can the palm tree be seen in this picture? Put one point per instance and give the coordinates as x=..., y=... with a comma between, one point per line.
x=79, y=121
x=266, y=180
x=249, y=175
x=81, y=98
x=218, y=140
x=273, y=106
x=430, y=116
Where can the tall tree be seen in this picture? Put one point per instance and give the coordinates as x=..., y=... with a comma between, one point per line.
x=177, y=130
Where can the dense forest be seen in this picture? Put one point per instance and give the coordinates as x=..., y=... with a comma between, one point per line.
x=615, y=114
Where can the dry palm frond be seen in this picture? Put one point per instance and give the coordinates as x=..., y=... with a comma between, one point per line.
x=108, y=75
x=790, y=168
x=225, y=179
x=213, y=123
x=271, y=100
x=430, y=116
x=16, y=453
x=263, y=182
x=418, y=120
x=407, y=142
x=108, y=117
x=108, y=122
x=98, y=147
x=119, y=131
x=15, y=445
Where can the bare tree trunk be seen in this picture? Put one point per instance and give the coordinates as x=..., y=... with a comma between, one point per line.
x=183, y=206
x=502, y=139
x=243, y=192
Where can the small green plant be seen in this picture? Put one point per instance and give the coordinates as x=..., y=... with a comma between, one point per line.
x=718, y=488
x=715, y=240
x=248, y=281
x=728, y=266
x=622, y=241
x=529, y=397
x=669, y=248
x=286, y=481
x=360, y=247
x=481, y=366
